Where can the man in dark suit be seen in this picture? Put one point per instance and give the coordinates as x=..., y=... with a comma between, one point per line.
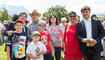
x=90, y=32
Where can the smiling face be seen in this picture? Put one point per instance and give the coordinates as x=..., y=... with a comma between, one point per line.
x=23, y=17
x=36, y=37
x=86, y=14
x=35, y=17
x=42, y=26
x=72, y=17
x=53, y=19
x=85, y=11
x=64, y=23
x=18, y=26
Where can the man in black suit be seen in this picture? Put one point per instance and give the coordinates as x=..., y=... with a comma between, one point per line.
x=90, y=32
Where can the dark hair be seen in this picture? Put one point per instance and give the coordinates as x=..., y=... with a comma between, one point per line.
x=26, y=22
x=72, y=12
x=93, y=15
x=15, y=17
x=55, y=17
x=23, y=13
x=85, y=8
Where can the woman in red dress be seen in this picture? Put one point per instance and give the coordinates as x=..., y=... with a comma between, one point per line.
x=72, y=45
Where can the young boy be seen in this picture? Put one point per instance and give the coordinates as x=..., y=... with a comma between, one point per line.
x=36, y=49
x=16, y=44
x=46, y=39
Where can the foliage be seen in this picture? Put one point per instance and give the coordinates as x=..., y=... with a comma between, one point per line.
x=60, y=11
x=3, y=54
x=4, y=15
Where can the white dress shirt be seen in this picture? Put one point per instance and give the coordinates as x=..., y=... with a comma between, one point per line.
x=88, y=26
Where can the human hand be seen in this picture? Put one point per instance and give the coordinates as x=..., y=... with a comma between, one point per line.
x=9, y=58
x=10, y=32
x=53, y=53
x=93, y=42
x=3, y=29
x=63, y=45
x=36, y=57
x=86, y=40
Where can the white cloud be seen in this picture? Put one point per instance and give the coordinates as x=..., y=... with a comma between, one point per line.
x=97, y=6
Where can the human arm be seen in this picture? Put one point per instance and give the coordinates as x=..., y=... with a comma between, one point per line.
x=100, y=30
x=8, y=53
x=52, y=49
x=80, y=33
x=62, y=36
x=51, y=45
x=41, y=52
x=65, y=36
x=8, y=47
x=33, y=57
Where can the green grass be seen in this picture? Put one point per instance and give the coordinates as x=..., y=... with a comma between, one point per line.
x=3, y=54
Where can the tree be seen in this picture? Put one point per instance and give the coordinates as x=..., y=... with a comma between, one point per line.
x=60, y=11
x=4, y=15
x=0, y=14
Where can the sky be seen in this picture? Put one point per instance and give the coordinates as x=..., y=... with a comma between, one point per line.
x=97, y=6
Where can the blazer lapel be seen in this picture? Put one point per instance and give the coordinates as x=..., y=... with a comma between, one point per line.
x=84, y=28
x=92, y=27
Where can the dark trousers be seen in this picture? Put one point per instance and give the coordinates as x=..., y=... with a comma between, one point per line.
x=57, y=53
x=91, y=54
x=48, y=56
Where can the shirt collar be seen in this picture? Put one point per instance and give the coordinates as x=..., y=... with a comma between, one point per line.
x=87, y=20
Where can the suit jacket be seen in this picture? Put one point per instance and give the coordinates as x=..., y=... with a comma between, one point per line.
x=97, y=34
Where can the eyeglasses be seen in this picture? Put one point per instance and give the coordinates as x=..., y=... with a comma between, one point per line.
x=72, y=16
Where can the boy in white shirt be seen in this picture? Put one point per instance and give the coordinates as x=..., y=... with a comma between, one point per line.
x=35, y=49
